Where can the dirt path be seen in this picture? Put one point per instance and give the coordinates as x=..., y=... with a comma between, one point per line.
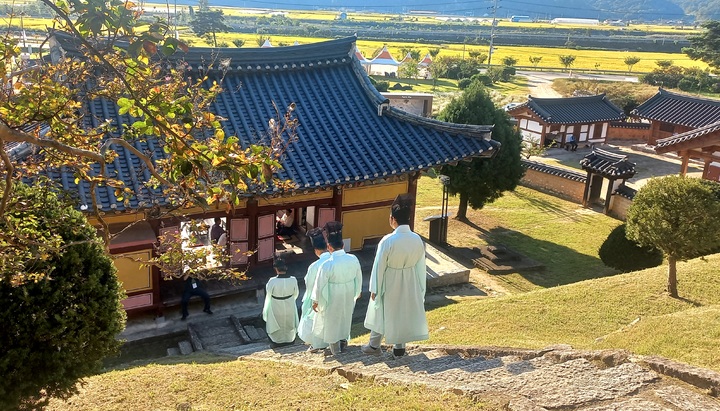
x=544, y=90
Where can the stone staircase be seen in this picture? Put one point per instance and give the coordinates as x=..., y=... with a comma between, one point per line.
x=220, y=334
x=556, y=378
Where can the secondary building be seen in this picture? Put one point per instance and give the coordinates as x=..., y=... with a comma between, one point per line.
x=559, y=121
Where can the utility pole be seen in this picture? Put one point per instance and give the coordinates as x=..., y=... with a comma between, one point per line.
x=492, y=31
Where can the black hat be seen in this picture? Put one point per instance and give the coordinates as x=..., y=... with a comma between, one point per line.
x=402, y=208
x=279, y=264
x=317, y=238
x=334, y=233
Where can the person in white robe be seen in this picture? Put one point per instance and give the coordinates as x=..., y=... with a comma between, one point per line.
x=396, y=309
x=280, y=310
x=337, y=287
x=307, y=317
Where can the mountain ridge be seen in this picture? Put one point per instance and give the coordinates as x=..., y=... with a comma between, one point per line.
x=676, y=11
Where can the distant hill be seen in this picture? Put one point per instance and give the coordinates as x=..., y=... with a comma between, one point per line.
x=638, y=10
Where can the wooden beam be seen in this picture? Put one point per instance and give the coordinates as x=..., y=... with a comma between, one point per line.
x=685, y=160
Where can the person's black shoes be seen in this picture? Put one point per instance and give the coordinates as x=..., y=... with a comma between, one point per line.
x=207, y=310
x=184, y=317
x=398, y=352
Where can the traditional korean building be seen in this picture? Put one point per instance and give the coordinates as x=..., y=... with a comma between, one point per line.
x=353, y=155
x=673, y=113
x=550, y=121
x=701, y=144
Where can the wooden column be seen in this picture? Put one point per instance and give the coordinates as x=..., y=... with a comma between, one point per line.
x=586, y=194
x=412, y=190
x=608, y=194
x=685, y=161
x=337, y=202
x=252, y=210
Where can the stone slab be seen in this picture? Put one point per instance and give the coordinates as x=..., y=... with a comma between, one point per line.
x=443, y=270
x=185, y=347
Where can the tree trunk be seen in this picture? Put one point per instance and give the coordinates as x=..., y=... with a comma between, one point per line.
x=672, y=276
x=462, y=208
x=214, y=39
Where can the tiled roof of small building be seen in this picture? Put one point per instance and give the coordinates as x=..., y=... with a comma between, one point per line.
x=670, y=143
x=607, y=164
x=573, y=110
x=679, y=109
x=625, y=191
x=347, y=131
x=554, y=170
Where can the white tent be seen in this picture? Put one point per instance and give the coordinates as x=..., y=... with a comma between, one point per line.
x=383, y=63
x=266, y=44
x=365, y=62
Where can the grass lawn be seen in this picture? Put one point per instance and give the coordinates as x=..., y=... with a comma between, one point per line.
x=206, y=382
x=545, y=228
x=600, y=313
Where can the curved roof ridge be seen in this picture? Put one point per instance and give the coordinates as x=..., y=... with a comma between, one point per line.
x=478, y=131
x=688, y=97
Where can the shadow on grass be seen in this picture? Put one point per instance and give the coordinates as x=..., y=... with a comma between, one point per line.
x=554, y=211
x=563, y=265
x=194, y=358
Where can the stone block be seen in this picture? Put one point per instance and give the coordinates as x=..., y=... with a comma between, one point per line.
x=185, y=347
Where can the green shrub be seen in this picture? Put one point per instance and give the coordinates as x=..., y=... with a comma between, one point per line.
x=382, y=86
x=482, y=78
x=396, y=86
x=56, y=330
x=625, y=255
x=463, y=83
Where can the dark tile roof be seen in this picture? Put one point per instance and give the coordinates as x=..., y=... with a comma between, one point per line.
x=348, y=133
x=625, y=191
x=671, y=143
x=573, y=110
x=555, y=171
x=607, y=164
x=629, y=124
x=679, y=109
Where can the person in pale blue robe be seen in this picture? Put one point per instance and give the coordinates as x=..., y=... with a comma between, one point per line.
x=337, y=287
x=307, y=318
x=396, y=309
x=280, y=311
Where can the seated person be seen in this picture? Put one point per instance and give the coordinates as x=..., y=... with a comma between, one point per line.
x=284, y=223
x=571, y=144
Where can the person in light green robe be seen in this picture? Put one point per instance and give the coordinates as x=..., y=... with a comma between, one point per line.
x=337, y=287
x=396, y=308
x=280, y=311
x=307, y=317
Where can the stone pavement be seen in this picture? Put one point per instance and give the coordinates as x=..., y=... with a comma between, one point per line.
x=442, y=271
x=648, y=164
x=555, y=378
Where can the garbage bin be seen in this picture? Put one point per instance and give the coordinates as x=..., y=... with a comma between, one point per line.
x=438, y=229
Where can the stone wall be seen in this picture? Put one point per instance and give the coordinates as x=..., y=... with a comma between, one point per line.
x=567, y=184
x=570, y=185
x=622, y=131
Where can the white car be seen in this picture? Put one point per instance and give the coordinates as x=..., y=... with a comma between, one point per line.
x=509, y=106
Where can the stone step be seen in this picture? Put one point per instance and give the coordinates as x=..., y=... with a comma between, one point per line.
x=252, y=332
x=173, y=351
x=185, y=347
x=210, y=343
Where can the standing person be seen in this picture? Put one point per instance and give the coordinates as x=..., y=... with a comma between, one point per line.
x=216, y=231
x=285, y=222
x=280, y=312
x=307, y=318
x=192, y=287
x=397, y=285
x=338, y=285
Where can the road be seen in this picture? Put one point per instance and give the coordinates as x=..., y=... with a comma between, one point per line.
x=539, y=82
